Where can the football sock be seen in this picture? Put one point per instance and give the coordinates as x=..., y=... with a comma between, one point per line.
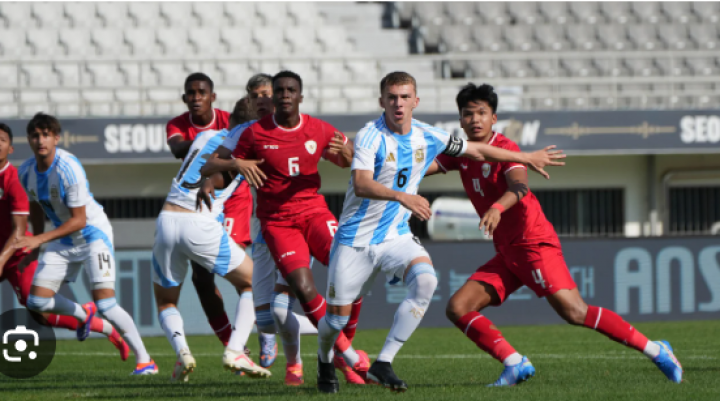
x=421, y=283
x=483, y=332
x=172, y=324
x=612, y=325
x=265, y=322
x=351, y=327
x=288, y=326
x=328, y=330
x=123, y=322
x=58, y=304
x=651, y=350
x=65, y=322
x=513, y=359
x=315, y=310
x=101, y=326
x=222, y=327
x=244, y=321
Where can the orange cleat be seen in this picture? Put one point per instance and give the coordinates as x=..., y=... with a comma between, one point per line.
x=351, y=376
x=294, y=375
x=120, y=344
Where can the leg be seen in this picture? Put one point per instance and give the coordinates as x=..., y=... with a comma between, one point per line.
x=172, y=324
x=263, y=282
x=211, y=302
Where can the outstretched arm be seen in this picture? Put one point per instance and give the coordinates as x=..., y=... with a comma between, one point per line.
x=537, y=160
x=179, y=147
x=340, y=151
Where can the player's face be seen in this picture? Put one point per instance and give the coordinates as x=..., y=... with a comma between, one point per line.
x=43, y=142
x=399, y=102
x=477, y=119
x=287, y=96
x=261, y=97
x=6, y=147
x=199, y=98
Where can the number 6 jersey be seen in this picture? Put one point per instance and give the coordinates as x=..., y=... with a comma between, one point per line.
x=291, y=157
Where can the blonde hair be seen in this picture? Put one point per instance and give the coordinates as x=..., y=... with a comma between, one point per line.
x=397, y=78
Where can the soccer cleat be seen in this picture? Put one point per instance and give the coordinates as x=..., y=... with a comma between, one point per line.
x=327, y=382
x=83, y=330
x=268, y=350
x=667, y=363
x=238, y=361
x=382, y=373
x=363, y=364
x=294, y=375
x=351, y=376
x=145, y=369
x=515, y=374
x=120, y=344
x=183, y=367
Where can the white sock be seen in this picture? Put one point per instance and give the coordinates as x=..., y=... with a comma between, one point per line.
x=350, y=356
x=288, y=326
x=306, y=326
x=58, y=305
x=652, y=350
x=125, y=326
x=329, y=328
x=172, y=323
x=421, y=283
x=107, y=327
x=244, y=321
x=513, y=359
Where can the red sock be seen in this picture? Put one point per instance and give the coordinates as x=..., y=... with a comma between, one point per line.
x=221, y=326
x=612, y=325
x=63, y=322
x=315, y=310
x=483, y=332
x=351, y=326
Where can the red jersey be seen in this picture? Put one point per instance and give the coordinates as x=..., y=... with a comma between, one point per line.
x=485, y=183
x=291, y=158
x=182, y=125
x=13, y=200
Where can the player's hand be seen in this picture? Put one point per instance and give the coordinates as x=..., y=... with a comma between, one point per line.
x=337, y=144
x=419, y=206
x=205, y=194
x=28, y=243
x=545, y=157
x=490, y=221
x=250, y=170
x=25, y=262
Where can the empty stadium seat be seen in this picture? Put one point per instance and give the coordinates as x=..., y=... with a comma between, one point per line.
x=456, y=39
x=9, y=76
x=77, y=42
x=617, y=12
x=555, y=12
x=210, y=14
x=142, y=41
x=613, y=37
x=586, y=12
x=98, y=102
x=273, y=13
x=70, y=74
x=702, y=65
x=303, y=13
x=305, y=69
x=174, y=42
x=239, y=41
x=484, y=69
x=492, y=12
x=110, y=42
x=50, y=15
x=429, y=13
x=648, y=12
x=671, y=67
x=333, y=40
x=705, y=36
x=144, y=13
x=114, y=14
x=461, y=12
x=519, y=37
x=675, y=37
x=178, y=15
x=488, y=38
x=582, y=37
x=707, y=12
x=13, y=43
x=67, y=102
x=678, y=12
x=206, y=41
x=33, y=101
x=302, y=40
x=38, y=75
x=524, y=12
x=610, y=67
x=82, y=15
x=578, y=67
x=516, y=69
x=551, y=37
x=363, y=70
x=270, y=41
x=17, y=15
x=545, y=68
x=333, y=71
x=105, y=74
x=644, y=37
x=169, y=73
x=641, y=67
x=44, y=42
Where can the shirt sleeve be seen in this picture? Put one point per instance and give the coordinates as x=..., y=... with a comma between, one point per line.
x=19, y=203
x=447, y=163
x=244, y=146
x=507, y=166
x=367, y=143
x=77, y=193
x=231, y=140
x=174, y=128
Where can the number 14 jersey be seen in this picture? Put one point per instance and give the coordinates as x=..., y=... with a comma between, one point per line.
x=291, y=156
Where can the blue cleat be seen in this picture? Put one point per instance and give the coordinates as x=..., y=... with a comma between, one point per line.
x=268, y=349
x=83, y=330
x=515, y=374
x=667, y=363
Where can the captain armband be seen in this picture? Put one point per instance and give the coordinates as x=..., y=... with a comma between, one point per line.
x=456, y=146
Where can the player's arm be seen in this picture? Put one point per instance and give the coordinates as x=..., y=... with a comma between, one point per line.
x=537, y=160
x=434, y=169
x=76, y=222
x=340, y=150
x=517, y=182
x=366, y=187
x=179, y=147
x=19, y=222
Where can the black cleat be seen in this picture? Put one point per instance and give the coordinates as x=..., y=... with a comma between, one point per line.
x=327, y=382
x=382, y=373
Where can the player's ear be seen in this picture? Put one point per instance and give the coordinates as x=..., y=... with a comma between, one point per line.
x=213, y=97
x=11, y=150
x=301, y=98
x=494, y=118
x=183, y=98
x=417, y=102
x=381, y=102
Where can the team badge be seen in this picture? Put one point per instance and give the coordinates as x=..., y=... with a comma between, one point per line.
x=311, y=147
x=390, y=158
x=331, y=291
x=486, y=170
x=419, y=156
x=54, y=193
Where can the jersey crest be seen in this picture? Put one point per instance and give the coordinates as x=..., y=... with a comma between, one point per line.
x=311, y=146
x=485, y=170
x=419, y=156
x=54, y=193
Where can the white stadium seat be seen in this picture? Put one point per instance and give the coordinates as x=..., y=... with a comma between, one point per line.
x=179, y=15
x=241, y=14
x=82, y=15
x=145, y=14
x=110, y=42
x=174, y=42
x=13, y=43
x=142, y=41
x=45, y=42
x=105, y=74
x=17, y=15
x=301, y=40
x=39, y=75
x=77, y=42
x=50, y=15
x=114, y=14
x=209, y=14
x=206, y=41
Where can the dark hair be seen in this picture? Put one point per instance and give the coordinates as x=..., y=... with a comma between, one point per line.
x=43, y=122
x=199, y=76
x=287, y=74
x=243, y=112
x=471, y=93
x=397, y=78
x=258, y=80
x=4, y=127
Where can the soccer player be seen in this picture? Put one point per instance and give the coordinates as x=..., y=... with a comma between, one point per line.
x=528, y=253
x=16, y=265
x=392, y=155
x=183, y=234
x=181, y=132
x=296, y=223
x=56, y=184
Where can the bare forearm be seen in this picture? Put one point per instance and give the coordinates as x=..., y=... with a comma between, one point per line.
x=373, y=190
x=495, y=154
x=180, y=149
x=217, y=165
x=72, y=225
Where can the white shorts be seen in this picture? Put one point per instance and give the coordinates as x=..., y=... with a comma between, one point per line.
x=265, y=274
x=59, y=262
x=353, y=270
x=183, y=237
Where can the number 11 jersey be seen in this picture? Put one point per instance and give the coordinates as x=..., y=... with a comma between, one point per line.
x=291, y=157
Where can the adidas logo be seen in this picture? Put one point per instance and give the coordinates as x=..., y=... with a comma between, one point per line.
x=390, y=158
x=176, y=334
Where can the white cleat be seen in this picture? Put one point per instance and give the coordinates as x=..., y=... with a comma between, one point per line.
x=183, y=367
x=237, y=361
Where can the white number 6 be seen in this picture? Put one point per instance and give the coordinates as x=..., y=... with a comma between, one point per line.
x=294, y=166
x=332, y=226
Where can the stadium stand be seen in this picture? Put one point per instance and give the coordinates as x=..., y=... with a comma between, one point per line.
x=122, y=58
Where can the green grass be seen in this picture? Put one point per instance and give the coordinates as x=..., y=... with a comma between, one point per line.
x=438, y=364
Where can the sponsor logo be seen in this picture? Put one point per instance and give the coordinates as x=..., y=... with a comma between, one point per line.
x=271, y=147
x=135, y=138
x=287, y=254
x=311, y=146
x=485, y=170
x=464, y=166
x=419, y=155
x=390, y=158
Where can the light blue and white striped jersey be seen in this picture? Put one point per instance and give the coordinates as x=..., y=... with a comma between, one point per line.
x=185, y=185
x=62, y=187
x=233, y=137
x=398, y=162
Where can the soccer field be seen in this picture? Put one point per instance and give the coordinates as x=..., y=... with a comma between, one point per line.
x=438, y=364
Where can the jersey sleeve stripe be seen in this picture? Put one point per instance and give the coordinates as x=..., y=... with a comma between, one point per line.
x=440, y=165
x=522, y=166
x=20, y=212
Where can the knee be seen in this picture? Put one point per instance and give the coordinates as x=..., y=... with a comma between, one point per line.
x=38, y=304
x=426, y=285
x=106, y=304
x=457, y=308
x=574, y=313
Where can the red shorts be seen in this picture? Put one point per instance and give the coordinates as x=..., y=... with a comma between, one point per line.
x=20, y=281
x=291, y=245
x=538, y=266
x=238, y=210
